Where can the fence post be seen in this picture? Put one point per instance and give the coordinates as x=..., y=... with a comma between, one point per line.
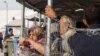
x=23, y=19
x=48, y=32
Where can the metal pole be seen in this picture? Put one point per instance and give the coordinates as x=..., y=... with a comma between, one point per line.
x=48, y=32
x=28, y=23
x=40, y=19
x=23, y=19
x=6, y=12
x=35, y=21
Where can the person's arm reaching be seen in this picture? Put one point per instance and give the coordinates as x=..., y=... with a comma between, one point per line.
x=50, y=12
x=37, y=46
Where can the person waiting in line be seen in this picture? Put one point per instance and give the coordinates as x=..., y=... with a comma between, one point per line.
x=24, y=45
x=36, y=36
x=10, y=34
x=67, y=29
x=88, y=43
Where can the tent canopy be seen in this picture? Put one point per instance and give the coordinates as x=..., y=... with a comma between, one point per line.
x=61, y=6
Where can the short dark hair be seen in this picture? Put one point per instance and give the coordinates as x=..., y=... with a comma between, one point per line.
x=77, y=15
x=92, y=14
x=10, y=29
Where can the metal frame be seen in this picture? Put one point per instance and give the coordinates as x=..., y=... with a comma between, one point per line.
x=23, y=19
x=48, y=32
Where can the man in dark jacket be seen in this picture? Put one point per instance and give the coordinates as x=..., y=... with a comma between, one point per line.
x=88, y=43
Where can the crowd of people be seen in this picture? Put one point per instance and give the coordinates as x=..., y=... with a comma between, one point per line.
x=78, y=43
x=72, y=42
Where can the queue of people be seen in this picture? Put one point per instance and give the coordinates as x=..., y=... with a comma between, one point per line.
x=80, y=43
x=73, y=42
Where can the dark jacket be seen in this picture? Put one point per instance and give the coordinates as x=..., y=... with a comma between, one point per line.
x=8, y=36
x=84, y=44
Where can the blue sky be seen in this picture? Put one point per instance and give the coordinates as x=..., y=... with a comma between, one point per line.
x=12, y=5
